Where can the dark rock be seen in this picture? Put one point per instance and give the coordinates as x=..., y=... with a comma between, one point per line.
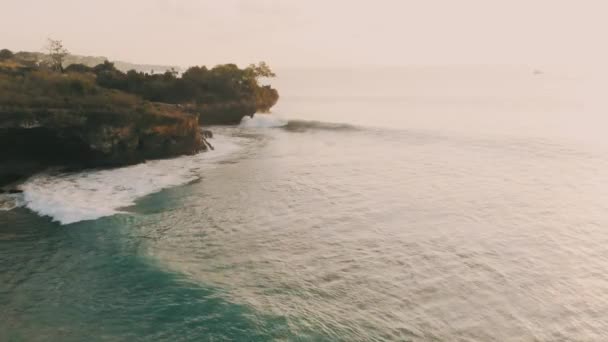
x=226, y=113
x=14, y=191
x=96, y=141
x=207, y=134
x=208, y=144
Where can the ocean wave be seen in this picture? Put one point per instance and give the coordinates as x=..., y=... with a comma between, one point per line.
x=73, y=197
x=274, y=121
x=302, y=125
x=263, y=121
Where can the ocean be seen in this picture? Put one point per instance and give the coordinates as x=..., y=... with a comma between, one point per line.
x=379, y=204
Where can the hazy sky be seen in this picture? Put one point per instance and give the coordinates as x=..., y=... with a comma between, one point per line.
x=316, y=32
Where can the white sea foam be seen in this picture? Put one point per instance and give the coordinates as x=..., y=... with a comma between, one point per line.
x=263, y=121
x=73, y=197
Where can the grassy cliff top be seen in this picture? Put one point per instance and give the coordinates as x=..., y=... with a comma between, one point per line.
x=70, y=99
x=41, y=89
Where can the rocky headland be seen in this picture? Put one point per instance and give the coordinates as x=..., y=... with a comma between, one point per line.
x=89, y=117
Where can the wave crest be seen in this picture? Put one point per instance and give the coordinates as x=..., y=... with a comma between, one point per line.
x=88, y=195
x=263, y=121
x=273, y=121
x=302, y=126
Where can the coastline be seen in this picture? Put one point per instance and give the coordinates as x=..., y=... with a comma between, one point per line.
x=70, y=196
x=79, y=117
x=77, y=141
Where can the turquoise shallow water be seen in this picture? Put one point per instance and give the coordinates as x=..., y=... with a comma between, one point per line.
x=407, y=225
x=91, y=281
x=97, y=279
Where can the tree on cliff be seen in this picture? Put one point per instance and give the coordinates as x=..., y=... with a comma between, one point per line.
x=225, y=83
x=6, y=54
x=265, y=96
x=260, y=70
x=56, y=54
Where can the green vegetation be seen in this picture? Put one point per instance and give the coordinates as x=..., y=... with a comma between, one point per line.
x=58, y=110
x=6, y=54
x=197, y=85
x=35, y=82
x=27, y=92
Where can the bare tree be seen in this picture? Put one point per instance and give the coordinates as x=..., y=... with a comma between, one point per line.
x=56, y=54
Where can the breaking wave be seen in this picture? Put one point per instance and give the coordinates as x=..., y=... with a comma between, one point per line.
x=302, y=126
x=272, y=121
x=263, y=121
x=73, y=197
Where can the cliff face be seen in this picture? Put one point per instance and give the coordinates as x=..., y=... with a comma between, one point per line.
x=227, y=113
x=84, y=117
x=32, y=141
x=231, y=112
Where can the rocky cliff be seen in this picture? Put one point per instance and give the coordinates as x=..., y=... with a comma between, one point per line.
x=86, y=117
x=31, y=140
x=228, y=113
x=232, y=112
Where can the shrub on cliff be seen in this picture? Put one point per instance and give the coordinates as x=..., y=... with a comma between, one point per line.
x=6, y=54
x=77, y=94
x=28, y=83
x=81, y=68
x=265, y=98
x=197, y=86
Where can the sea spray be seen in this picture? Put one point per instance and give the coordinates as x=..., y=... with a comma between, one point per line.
x=272, y=121
x=263, y=121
